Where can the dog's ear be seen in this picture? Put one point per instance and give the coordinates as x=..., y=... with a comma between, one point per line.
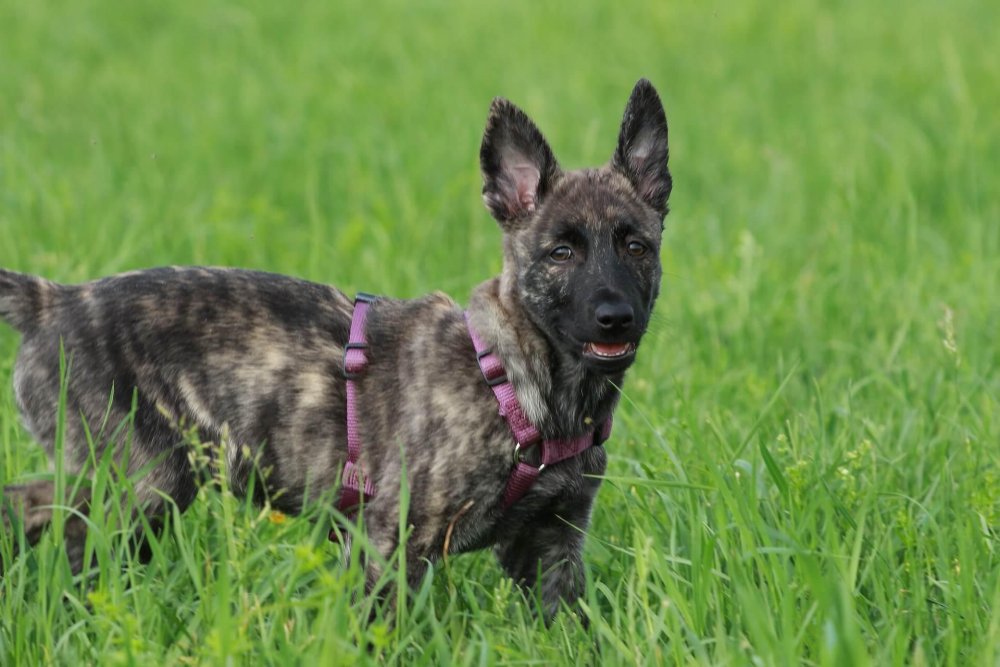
x=642, y=147
x=517, y=164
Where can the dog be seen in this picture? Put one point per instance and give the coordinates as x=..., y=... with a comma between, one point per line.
x=256, y=361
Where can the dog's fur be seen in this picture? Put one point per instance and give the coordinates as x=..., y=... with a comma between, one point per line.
x=255, y=360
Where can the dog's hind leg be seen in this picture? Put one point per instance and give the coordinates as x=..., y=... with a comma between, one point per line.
x=147, y=449
x=71, y=351
x=30, y=507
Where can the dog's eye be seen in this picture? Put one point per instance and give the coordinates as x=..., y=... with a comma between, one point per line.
x=636, y=249
x=561, y=254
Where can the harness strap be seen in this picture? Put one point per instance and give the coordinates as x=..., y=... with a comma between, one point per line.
x=355, y=486
x=526, y=435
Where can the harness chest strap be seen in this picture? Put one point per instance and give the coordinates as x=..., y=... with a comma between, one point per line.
x=526, y=434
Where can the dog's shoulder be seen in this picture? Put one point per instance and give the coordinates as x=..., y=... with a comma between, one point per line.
x=440, y=301
x=428, y=330
x=427, y=307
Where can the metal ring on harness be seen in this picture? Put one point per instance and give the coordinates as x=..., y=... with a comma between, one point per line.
x=519, y=456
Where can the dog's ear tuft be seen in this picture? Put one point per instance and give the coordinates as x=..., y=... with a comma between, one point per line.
x=642, y=151
x=517, y=164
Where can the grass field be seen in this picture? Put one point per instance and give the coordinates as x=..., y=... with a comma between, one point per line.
x=806, y=466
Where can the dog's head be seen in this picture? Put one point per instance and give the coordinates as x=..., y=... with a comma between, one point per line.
x=582, y=247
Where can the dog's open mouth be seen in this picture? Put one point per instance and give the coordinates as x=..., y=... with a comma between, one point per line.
x=608, y=351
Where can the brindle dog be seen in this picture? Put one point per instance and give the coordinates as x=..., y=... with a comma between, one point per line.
x=254, y=360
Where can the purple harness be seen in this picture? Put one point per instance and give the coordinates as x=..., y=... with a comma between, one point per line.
x=355, y=487
x=525, y=433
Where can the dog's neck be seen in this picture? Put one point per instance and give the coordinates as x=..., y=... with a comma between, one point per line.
x=560, y=397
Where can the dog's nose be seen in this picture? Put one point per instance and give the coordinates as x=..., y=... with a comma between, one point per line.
x=614, y=316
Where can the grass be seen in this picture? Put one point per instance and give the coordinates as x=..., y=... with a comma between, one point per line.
x=806, y=467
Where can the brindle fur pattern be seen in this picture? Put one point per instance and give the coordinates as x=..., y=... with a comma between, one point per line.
x=255, y=360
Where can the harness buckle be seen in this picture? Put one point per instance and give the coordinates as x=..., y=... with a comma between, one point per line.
x=494, y=381
x=355, y=364
x=355, y=359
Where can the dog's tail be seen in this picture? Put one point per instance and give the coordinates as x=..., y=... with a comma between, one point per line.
x=23, y=299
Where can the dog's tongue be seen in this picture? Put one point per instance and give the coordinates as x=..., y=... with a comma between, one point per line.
x=609, y=349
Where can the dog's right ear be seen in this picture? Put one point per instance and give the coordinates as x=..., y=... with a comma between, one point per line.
x=517, y=164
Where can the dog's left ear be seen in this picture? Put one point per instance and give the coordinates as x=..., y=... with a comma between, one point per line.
x=642, y=151
x=518, y=165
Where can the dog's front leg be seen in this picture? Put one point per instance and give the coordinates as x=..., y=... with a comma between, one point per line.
x=550, y=547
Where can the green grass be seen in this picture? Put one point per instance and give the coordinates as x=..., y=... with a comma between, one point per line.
x=806, y=469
